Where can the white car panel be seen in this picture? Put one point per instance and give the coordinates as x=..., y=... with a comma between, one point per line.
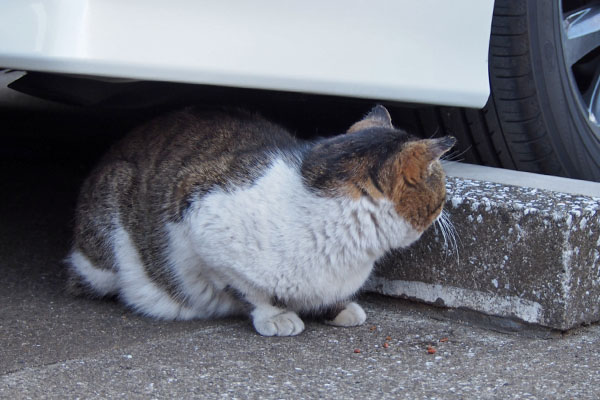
x=426, y=51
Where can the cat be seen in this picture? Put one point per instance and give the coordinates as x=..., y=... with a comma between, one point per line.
x=202, y=214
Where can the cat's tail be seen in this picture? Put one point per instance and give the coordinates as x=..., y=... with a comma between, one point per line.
x=86, y=279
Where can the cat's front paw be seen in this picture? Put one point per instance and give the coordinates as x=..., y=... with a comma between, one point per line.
x=284, y=324
x=351, y=315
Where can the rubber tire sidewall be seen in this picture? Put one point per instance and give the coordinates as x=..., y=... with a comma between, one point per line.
x=574, y=142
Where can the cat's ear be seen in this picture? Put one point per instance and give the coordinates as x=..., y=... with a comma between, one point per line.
x=378, y=117
x=416, y=156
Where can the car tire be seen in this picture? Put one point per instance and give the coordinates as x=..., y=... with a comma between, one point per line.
x=543, y=113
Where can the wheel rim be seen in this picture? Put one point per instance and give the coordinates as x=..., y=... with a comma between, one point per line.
x=580, y=22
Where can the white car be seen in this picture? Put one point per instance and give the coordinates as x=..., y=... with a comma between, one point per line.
x=541, y=59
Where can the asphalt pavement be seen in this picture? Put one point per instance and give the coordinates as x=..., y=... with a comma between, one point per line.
x=53, y=345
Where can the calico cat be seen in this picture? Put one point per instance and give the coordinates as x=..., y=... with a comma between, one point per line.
x=204, y=214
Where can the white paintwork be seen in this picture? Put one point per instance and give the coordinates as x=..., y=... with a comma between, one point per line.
x=425, y=51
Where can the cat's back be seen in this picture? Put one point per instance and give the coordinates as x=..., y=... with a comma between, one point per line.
x=152, y=176
x=197, y=135
x=190, y=151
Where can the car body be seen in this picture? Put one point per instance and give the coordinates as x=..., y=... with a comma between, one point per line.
x=517, y=82
x=426, y=51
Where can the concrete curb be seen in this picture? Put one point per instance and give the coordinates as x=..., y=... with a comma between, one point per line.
x=521, y=251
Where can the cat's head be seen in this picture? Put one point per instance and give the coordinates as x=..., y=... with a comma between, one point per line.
x=411, y=177
x=374, y=159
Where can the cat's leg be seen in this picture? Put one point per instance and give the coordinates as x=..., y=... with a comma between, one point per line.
x=91, y=264
x=271, y=320
x=349, y=314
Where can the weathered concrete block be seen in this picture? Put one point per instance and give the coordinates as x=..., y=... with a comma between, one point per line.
x=522, y=252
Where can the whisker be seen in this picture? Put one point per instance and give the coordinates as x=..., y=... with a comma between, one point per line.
x=454, y=155
x=449, y=235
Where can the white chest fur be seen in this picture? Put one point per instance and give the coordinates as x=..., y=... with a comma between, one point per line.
x=279, y=238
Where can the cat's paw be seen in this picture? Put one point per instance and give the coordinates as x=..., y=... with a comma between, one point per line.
x=284, y=324
x=351, y=315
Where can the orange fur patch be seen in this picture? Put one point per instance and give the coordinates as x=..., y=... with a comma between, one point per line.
x=362, y=186
x=414, y=159
x=418, y=189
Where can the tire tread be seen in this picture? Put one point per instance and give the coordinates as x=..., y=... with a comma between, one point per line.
x=515, y=128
